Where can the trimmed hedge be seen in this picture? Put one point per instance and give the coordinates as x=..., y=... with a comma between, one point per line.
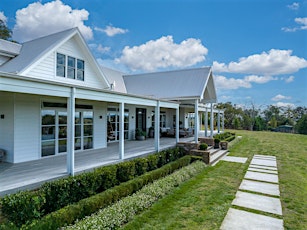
x=227, y=136
x=25, y=206
x=69, y=214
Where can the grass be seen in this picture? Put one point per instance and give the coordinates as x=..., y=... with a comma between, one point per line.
x=202, y=202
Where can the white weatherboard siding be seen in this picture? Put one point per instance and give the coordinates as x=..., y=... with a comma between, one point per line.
x=100, y=125
x=27, y=128
x=7, y=125
x=46, y=68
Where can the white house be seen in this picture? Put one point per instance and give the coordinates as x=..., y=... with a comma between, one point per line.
x=56, y=99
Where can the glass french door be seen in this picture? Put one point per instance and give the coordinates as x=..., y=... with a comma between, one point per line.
x=113, y=124
x=54, y=130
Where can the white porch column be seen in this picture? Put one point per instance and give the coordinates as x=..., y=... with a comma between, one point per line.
x=206, y=123
x=223, y=122
x=71, y=132
x=196, y=126
x=177, y=125
x=157, y=127
x=121, y=130
x=218, y=122
x=211, y=121
x=200, y=121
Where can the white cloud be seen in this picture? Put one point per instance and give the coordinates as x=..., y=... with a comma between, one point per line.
x=163, y=53
x=302, y=21
x=39, y=19
x=3, y=17
x=112, y=31
x=99, y=48
x=284, y=104
x=294, y=6
x=288, y=79
x=280, y=97
x=272, y=63
x=222, y=82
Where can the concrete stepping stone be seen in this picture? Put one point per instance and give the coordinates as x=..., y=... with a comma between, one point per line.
x=264, y=162
x=242, y=220
x=261, y=176
x=261, y=187
x=263, y=167
x=262, y=170
x=258, y=202
x=235, y=159
x=265, y=157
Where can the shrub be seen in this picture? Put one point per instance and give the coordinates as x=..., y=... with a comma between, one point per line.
x=203, y=146
x=125, y=171
x=123, y=211
x=141, y=165
x=86, y=207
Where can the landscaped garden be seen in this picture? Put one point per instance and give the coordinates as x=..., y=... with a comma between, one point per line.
x=182, y=194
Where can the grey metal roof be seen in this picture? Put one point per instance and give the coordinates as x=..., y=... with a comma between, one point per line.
x=9, y=48
x=172, y=85
x=115, y=78
x=31, y=51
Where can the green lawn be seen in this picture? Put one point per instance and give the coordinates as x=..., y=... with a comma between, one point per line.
x=202, y=202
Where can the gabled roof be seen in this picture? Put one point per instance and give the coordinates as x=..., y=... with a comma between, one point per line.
x=183, y=84
x=33, y=51
x=115, y=79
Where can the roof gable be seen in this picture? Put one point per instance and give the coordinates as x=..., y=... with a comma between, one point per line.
x=172, y=85
x=33, y=52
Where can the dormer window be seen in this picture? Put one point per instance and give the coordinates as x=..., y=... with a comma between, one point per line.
x=70, y=67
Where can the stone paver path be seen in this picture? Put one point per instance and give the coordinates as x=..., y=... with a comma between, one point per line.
x=259, y=191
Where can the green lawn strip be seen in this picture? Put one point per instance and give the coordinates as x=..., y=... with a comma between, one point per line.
x=203, y=202
x=291, y=153
x=200, y=203
x=124, y=210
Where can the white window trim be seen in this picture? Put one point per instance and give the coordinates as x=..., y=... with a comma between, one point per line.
x=66, y=67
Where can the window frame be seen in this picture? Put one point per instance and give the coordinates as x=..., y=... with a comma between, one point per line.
x=78, y=73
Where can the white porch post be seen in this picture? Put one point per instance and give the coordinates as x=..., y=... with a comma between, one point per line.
x=200, y=121
x=211, y=121
x=177, y=125
x=71, y=132
x=223, y=122
x=196, y=125
x=157, y=127
x=121, y=130
x=206, y=123
x=218, y=121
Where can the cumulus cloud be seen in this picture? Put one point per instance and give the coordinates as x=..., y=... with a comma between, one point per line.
x=163, y=53
x=39, y=19
x=284, y=104
x=3, y=17
x=301, y=21
x=111, y=31
x=288, y=79
x=294, y=6
x=234, y=83
x=269, y=63
x=280, y=97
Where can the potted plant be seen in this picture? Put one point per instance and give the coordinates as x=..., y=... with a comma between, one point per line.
x=151, y=132
x=140, y=134
x=224, y=145
x=217, y=143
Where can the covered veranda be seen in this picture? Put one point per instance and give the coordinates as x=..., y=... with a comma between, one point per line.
x=31, y=174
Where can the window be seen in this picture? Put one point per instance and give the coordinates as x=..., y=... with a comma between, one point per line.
x=69, y=67
x=60, y=67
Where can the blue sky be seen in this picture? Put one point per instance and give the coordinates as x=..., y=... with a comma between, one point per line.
x=258, y=48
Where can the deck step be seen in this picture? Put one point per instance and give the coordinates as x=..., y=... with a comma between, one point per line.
x=217, y=155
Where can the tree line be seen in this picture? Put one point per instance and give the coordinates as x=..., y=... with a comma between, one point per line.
x=255, y=118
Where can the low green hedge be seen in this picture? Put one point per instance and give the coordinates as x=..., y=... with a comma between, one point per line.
x=124, y=210
x=25, y=206
x=226, y=136
x=69, y=214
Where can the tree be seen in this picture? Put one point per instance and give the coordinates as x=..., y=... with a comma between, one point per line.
x=5, y=32
x=301, y=125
